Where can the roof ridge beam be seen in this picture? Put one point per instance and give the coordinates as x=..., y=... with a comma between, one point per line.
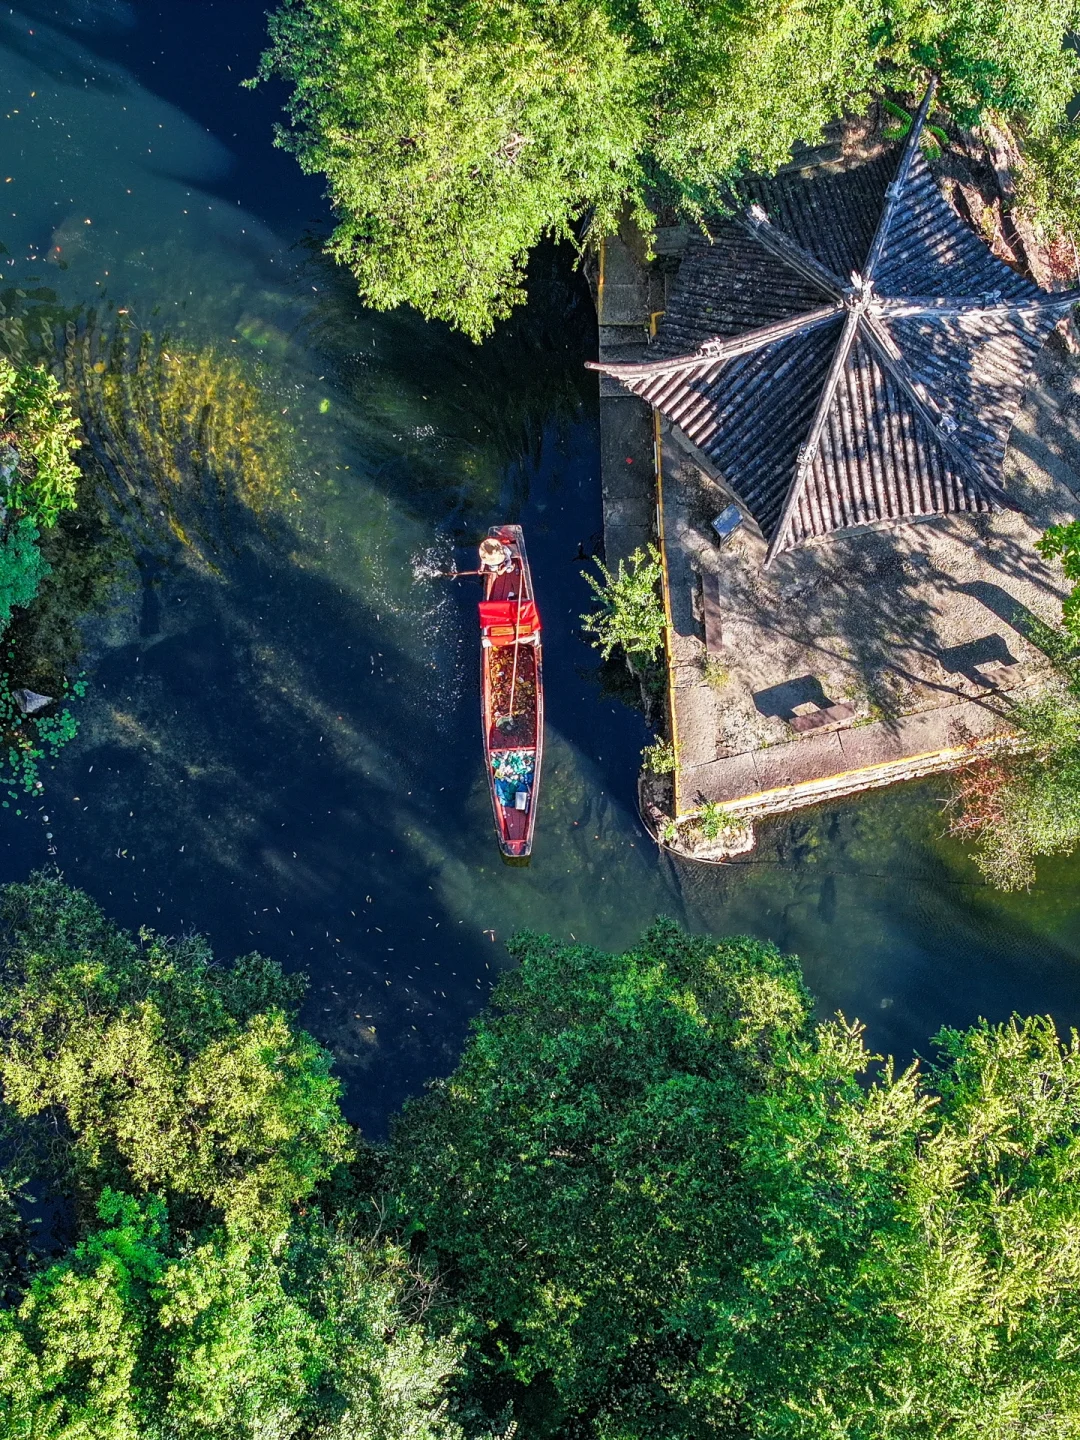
x=939, y=421
x=757, y=223
x=895, y=190
x=720, y=349
x=809, y=449
x=907, y=307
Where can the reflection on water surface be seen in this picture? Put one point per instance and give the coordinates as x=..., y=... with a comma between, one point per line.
x=280, y=743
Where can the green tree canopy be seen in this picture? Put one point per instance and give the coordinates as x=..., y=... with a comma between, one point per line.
x=577, y=1170
x=208, y=1292
x=131, y=1042
x=674, y=1205
x=454, y=136
x=666, y=1202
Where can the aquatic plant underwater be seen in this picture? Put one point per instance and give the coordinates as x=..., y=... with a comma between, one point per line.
x=169, y=437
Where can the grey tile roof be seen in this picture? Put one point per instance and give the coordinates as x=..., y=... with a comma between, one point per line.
x=846, y=350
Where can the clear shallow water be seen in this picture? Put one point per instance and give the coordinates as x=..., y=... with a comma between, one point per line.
x=280, y=744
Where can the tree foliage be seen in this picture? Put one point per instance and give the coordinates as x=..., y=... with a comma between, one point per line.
x=1062, y=542
x=675, y=1206
x=577, y=1170
x=916, y=1273
x=207, y=1294
x=665, y=1201
x=454, y=136
x=129, y=1041
x=1048, y=184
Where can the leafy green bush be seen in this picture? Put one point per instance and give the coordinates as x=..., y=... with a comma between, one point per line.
x=659, y=758
x=453, y=137
x=631, y=617
x=675, y=1207
x=37, y=485
x=1062, y=542
x=713, y=820
x=39, y=434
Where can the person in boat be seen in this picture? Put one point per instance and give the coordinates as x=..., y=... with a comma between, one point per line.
x=495, y=557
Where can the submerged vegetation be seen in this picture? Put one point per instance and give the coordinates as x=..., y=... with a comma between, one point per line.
x=655, y=1199
x=453, y=138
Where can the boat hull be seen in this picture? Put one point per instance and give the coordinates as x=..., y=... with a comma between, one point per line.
x=513, y=729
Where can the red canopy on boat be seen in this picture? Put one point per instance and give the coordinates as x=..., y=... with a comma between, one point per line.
x=501, y=619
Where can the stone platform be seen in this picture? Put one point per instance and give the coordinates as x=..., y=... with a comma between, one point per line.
x=922, y=628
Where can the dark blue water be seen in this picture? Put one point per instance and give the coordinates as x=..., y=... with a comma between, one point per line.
x=280, y=741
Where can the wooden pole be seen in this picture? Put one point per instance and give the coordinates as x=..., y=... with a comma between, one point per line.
x=517, y=629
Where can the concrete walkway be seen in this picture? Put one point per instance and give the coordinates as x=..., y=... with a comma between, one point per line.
x=625, y=300
x=825, y=766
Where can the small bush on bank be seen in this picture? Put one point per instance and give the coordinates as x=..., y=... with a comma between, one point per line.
x=659, y=758
x=1018, y=808
x=631, y=615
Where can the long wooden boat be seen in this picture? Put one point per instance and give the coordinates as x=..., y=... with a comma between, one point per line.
x=511, y=691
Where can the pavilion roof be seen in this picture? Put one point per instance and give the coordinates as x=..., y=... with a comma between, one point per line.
x=828, y=402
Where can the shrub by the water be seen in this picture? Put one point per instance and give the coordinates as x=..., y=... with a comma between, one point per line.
x=1020, y=807
x=38, y=482
x=22, y=568
x=37, y=476
x=38, y=434
x=631, y=615
x=659, y=758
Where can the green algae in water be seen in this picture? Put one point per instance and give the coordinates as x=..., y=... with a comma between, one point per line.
x=180, y=432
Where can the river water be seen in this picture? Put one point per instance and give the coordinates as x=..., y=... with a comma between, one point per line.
x=279, y=743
